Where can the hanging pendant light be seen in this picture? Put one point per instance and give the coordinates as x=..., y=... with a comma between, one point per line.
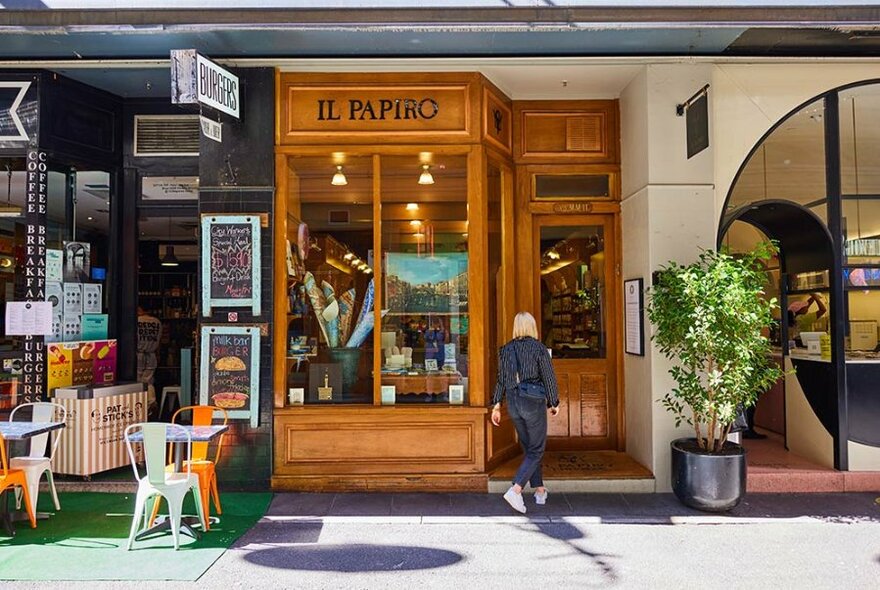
x=339, y=178
x=169, y=259
x=426, y=176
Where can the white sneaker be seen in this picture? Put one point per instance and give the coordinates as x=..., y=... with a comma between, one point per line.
x=541, y=499
x=515, y=500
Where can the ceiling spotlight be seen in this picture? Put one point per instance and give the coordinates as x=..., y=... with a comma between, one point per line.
x=412, y=207
x=426, y=177
x=415, y=223
x=339, y=178
x=368, y=271
x=553, y=255
x=362, y=266
x=418, y=235
x=90, y=218
x=356, y=261
x=348, y=256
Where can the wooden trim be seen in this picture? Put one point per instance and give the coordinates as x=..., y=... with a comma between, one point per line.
x=612, y=170
x=573, y=207
x=375, y=148
x=279, y=350
x=377, y=279
x=277, y=106
x=491, y=94
x=607, y=110
x=478, y=269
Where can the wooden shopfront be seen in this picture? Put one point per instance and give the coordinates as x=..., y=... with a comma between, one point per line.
x=416, y=213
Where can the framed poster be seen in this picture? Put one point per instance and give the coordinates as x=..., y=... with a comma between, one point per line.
x=231, y=262
x=229, y=373
x=634, y=305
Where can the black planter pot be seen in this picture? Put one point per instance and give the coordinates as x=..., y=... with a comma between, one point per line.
x=712, y=483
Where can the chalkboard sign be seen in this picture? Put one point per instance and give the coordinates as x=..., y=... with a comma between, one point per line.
x=230, y=370
x=230, y=262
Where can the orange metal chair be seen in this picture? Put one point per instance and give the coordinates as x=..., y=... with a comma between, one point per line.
x=12, y=478
x=200, y=464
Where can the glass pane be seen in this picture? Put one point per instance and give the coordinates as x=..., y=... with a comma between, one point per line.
x=864, y=317
x=861, y=224
x=551, y=186
x=425, y=264
x=494, y=188
x=330, y=280
x=789, y=165
x=860, y=140
x=573, y=291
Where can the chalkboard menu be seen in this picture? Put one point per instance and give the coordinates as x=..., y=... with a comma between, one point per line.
x=230, y=262
x=230, y=370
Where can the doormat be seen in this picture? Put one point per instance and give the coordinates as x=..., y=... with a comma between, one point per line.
x=86, y=540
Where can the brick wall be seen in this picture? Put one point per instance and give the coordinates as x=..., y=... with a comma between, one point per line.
x=238, y=176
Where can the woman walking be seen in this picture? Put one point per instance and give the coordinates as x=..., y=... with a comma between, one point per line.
x=526, y=378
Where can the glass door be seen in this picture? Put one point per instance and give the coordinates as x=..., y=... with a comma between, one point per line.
x=576, y=290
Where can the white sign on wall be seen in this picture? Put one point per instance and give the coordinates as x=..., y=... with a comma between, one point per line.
x=217, y=86
x=170, y=188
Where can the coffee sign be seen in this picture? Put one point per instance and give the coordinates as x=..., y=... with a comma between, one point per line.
x=230, y=370
x=231, y=262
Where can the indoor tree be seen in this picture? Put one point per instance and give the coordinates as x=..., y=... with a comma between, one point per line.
x=710, y=319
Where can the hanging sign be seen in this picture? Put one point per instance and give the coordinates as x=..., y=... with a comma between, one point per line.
x=230, y=370
x=231, y=262
x=195, y=79
x=211, y=129
x=32, y=282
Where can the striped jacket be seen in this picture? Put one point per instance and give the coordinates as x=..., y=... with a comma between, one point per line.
x=534, y=364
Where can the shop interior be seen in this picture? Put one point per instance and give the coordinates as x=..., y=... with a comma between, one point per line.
x=790, y=167
x=342, y=209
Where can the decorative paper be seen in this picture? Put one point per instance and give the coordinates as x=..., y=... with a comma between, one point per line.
x=54, y=265
x=72, y=327
x=92, y=302
x=331, y=314
x=317, y=299
x=346, y=311
x=72, y=298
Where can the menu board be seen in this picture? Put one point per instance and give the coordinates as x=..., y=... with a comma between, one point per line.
x=230, y=370
x=231, y=262
x=634, y=306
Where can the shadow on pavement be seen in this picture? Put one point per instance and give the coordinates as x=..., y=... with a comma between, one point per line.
x=352, y=558
x=567, y=534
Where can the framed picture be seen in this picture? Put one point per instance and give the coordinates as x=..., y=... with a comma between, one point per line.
x=431, y=364
x=389, y=395
x=456, y=395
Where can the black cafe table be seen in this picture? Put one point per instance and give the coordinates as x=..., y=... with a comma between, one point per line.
x=178, y=438
x=20, y=431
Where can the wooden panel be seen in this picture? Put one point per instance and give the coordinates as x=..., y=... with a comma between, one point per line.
x=312, y=441
x=566, y=131
x=497, y=120
x=462, y=482
x=366, y=108
x=560, y=424
x=594, y=405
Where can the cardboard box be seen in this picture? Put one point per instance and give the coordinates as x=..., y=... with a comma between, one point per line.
x=93, y=440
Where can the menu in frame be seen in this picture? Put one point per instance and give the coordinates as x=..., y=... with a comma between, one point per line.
x=633, y=303
x=231, y=262
x=230, y=370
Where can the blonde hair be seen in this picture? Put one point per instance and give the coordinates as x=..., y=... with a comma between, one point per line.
x=524, y=325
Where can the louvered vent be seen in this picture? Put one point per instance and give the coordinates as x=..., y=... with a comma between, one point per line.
x=583, y=134
x=166, y=135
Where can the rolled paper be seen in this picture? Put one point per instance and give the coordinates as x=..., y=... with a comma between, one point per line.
x=330, y=314
x=318, y=303
x=362, y=330
x=346, y=311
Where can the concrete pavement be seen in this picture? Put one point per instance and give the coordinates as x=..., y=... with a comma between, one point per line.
x=414, y=541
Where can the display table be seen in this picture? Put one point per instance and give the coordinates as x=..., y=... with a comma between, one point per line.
x=97, y=416
x=433, y=383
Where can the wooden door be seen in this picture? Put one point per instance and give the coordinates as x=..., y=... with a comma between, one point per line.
x=574, y=265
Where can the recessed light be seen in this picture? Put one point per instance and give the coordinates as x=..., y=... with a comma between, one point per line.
x=412, y=207
x=90, y=218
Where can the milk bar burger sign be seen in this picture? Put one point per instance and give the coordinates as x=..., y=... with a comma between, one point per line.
x=197, y=79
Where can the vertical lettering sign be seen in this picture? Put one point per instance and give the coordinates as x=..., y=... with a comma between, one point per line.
x=231, y=275
x=34, y=279
x=230, y=370
x=217, y=86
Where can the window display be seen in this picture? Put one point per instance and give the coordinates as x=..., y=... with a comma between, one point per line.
x=425, y=272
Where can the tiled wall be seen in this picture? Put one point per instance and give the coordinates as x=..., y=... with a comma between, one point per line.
x=238, y=176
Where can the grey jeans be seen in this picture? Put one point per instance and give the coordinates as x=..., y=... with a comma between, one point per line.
x=530, y=419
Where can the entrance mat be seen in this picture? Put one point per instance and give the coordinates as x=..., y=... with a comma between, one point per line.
x=86, y=540
x=580, y=465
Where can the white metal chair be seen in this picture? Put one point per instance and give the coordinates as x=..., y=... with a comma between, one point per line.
x=36, y=463
x=173, y=486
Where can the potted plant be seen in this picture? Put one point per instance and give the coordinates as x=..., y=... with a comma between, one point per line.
x=710, y=318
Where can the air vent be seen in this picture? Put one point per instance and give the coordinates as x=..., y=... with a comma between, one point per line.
x=338, y=217
x=583, y=134
x=166, y=135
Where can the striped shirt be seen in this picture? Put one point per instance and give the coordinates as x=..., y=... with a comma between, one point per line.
x=534, y=365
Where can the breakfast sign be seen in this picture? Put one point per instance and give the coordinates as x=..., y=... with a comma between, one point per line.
x=231, y=262
x=230, y=370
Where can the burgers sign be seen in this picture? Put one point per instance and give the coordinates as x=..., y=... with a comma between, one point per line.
x=230, y=370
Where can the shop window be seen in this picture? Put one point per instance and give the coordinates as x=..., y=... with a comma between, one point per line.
x=587, y=186
x=330, y=287
x=789, y=165
x=497, y=336
x=424, y=334
x=860, y=140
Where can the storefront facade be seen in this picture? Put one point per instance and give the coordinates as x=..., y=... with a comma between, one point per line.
x=409, y=207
